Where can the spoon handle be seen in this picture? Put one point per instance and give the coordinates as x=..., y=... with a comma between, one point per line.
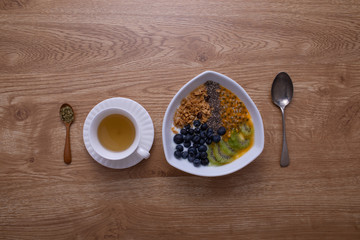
x=67, y=149
x=284, y=161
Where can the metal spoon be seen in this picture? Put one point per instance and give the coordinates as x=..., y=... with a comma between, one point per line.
x=282, y=92
x=67, y=116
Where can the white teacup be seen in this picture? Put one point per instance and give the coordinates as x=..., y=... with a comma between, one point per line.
x=113, y=155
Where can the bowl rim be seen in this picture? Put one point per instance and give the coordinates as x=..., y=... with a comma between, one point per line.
x=259, y=141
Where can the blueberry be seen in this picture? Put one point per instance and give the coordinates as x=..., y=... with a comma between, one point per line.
x=178, y=138
x=192, y=150
x=196, y=145
x=216, y=138
x=204, y=126
x=208, y=141
x=187, y=138
x=197, y=130
x=196, y=139
x=191, y=131
x=187, y=144
x=197, y=162
x=202, y=148
x=191, y=159
x=221, y=131
x=203, y=135
x=198, y=155
x=196, y=123
x=183, y=131
x=179, y=148
x=187, y=126
x=205, y=162
x=209, y=134
x=202, y=141
x=177, y=154
x=184, y=155
x=203, y=155
x=209, y=130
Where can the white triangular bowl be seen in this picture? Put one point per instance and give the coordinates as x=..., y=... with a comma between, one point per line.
x=212, y=171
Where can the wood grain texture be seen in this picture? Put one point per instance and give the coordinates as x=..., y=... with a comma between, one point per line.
x=82, y=52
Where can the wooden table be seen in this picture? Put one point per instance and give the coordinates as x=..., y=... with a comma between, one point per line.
x=82, y=52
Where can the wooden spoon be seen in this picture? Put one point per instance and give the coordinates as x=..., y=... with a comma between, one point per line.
x=67, y=116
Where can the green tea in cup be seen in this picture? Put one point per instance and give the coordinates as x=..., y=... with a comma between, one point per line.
x=116, y=132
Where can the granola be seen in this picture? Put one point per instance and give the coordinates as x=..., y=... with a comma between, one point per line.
x=193, y=107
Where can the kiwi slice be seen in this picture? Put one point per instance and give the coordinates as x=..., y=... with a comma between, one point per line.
x=220, y=157
x=235, y=140
x=222, y=152
x=246, y=130
x=244, y=144
x=232, y=141
x=226, y=149
x=211, y=156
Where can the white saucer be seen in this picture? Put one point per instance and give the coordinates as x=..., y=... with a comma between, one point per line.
x=145, y=124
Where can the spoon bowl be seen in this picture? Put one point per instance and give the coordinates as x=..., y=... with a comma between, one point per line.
x=282, y=91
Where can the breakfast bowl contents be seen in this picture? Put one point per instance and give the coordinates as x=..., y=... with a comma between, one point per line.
x=215, y=126
x=212, y=127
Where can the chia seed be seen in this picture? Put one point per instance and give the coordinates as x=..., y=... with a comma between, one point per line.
x=213, y=90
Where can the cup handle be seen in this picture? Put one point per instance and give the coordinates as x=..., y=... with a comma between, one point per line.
x=142, y=153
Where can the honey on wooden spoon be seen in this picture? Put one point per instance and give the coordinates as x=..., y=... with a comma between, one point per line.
x=67, y=116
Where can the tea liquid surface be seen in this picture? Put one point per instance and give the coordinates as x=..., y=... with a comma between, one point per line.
x=116, y=132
